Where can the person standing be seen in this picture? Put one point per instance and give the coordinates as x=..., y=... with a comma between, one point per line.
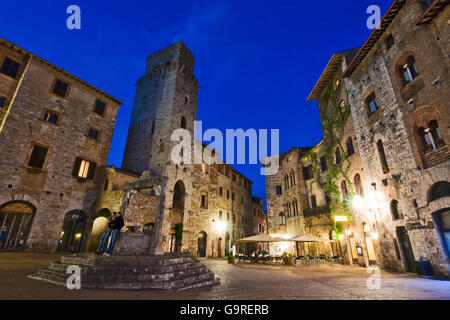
x=114, y=226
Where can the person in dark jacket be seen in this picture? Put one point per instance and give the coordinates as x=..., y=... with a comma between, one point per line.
x=115, y=224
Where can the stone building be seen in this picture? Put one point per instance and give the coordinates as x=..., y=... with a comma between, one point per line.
x=205, y=206
x=398, y=85
x=55, y=135
x=398, y=93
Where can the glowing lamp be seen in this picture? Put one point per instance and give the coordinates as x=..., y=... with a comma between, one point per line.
x=357, y=202
x=340, y=218
x=374, y=235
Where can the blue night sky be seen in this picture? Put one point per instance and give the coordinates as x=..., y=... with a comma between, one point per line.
x=255, y=60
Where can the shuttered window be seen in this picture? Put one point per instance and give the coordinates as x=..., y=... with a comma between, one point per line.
x=37, y=157
x=84, y=169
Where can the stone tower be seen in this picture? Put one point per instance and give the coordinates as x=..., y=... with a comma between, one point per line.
x=166, y=99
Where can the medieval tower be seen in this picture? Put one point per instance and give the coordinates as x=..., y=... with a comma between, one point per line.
x=166, y=99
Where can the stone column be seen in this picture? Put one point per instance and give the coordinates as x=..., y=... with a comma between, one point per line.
x=156, y=243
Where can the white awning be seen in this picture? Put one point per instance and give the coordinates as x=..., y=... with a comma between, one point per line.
x=308, y=238
x=263, y=238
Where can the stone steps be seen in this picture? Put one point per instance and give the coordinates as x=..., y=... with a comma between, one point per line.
x=131, y=272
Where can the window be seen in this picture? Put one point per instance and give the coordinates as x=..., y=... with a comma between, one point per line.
x=100, y=107
x=2, y=101
x=396, y=210
x=84, y=169
x=220, y=191
x=292, y=179
x=323, y=164
x=105, y=187
x=183, y=123
x=288, y=207
x=228, y=194
x=350, y=148
x=344, y=190
x=382, y=155
x=327, y=198
x=92, y=133
x=282, y=218
x=425, y=4
x=431, y=137
x=295, y=205
x=60, y=88
x=50, y=117
x=307, y=173
x=389, y=41
x=409, y=71
x=10, y=68
x=234, y=218
x=286, y=182
x=232, y=196
x=153, y=128
x=313, y=201
x=337, y=156
x=204, y=203
x=228, y=216
x=372, y=104
x=220, y=215
x=37, y=157
x=358, y=185
x=278, y=190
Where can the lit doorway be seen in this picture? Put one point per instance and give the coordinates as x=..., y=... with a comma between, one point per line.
x=177, y=216
x=201, y=244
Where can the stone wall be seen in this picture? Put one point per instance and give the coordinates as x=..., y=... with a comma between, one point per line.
x=51, y=190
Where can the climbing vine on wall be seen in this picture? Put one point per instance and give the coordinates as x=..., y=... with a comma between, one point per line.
x=334, y=116
x=179, y=231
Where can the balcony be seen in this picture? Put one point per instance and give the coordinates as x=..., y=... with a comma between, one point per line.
x=436, y=156
x=311, y=212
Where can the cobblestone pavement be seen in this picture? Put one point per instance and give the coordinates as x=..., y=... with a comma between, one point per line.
x=238, y=282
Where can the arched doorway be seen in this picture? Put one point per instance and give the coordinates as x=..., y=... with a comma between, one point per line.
x=15, y=224
x=99, y=227
x=72, y=232
x=442, y=220
x=177, y=216
x=201, y=244
x=227, y=244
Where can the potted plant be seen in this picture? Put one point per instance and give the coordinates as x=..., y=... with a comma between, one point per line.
x=427, y=148
x=231, y=259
